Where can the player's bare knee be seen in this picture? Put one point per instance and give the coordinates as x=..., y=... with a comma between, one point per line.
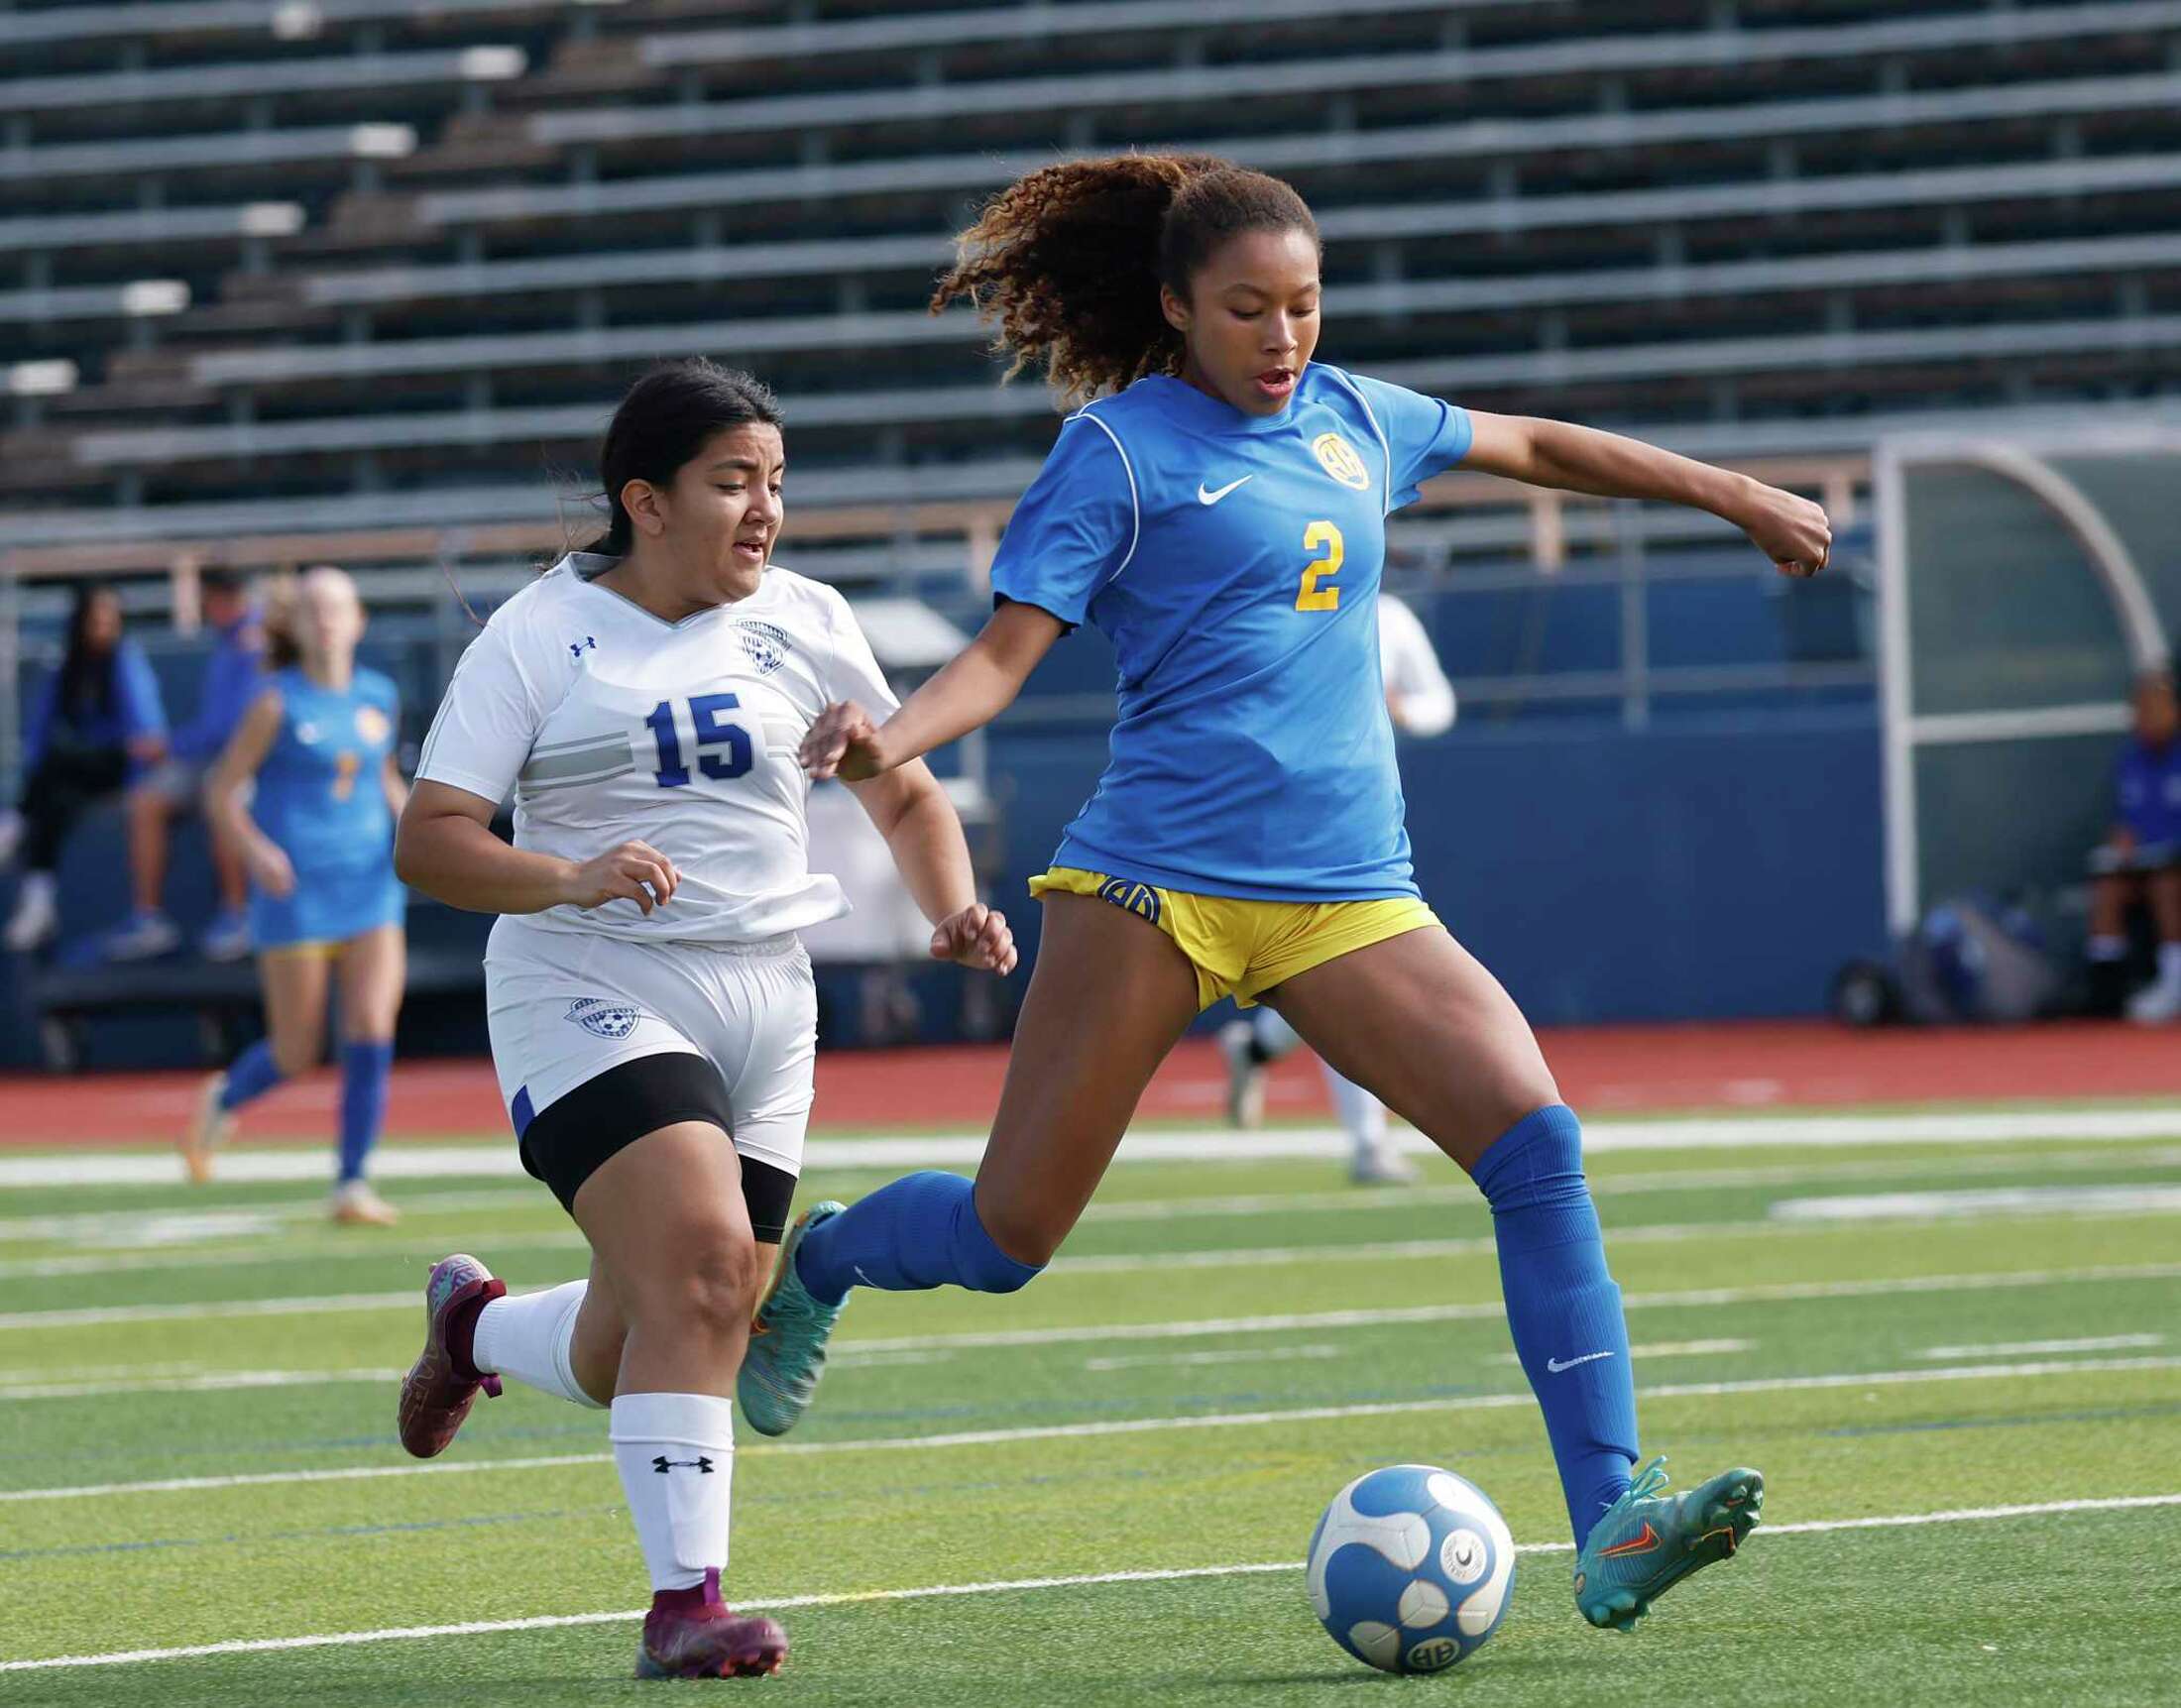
x=293, y=1056
x=1024, y=1236
x=717, y=1288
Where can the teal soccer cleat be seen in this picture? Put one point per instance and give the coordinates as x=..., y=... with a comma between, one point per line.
x=1648, y=1541
x=787, y=1340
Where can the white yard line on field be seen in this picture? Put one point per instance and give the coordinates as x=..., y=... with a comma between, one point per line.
x=1188, y=1144
x=853, y=1352
x=2034, y=1348
x=1241, y=1355
x=1125, y=1426
x=84, y=1317
x=2122, y=1202
x=208, y=1382
x=119, y=1230
x=1025, y=1585
x=1981, y=1203
x=233, y=1257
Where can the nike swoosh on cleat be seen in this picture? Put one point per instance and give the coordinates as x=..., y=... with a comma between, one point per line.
x=1205, y=495
x=1556, y=1366
x=1635, y=1545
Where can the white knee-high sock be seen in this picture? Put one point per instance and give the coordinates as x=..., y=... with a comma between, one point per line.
x=527, y=1336
x=1362, y=1116
x=1275, y=1037
x=676, y=1456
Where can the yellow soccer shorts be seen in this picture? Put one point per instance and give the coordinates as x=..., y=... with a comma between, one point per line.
x=1242, y=948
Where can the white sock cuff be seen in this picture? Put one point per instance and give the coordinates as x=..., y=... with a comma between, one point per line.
x=530, y=1336
x=677, y=1419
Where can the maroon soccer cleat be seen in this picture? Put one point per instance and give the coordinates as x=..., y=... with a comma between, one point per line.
x=442, y=1385
x=693, y=1633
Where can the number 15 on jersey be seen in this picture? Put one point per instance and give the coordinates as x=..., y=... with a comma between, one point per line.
x=709, y=722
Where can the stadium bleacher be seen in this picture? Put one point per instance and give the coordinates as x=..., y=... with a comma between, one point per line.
x=1675, y=217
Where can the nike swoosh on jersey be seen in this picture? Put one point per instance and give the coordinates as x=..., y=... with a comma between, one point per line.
x=1556, y=1366
x=1205, y=496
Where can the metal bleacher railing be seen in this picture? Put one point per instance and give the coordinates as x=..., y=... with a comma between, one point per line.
x=264, y=20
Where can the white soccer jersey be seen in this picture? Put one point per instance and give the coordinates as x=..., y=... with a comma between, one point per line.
x=1412, y=672
x=611, y=724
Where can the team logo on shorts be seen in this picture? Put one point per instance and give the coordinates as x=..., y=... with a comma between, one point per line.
x=611, y=1020
x=1339, y=459
x=766, y=645
x=1139, y=898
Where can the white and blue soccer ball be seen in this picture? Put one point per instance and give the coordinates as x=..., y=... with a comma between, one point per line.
x=1411, y=1569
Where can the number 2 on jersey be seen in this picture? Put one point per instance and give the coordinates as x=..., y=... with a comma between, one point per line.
x=1320, y=537
x=713, y=731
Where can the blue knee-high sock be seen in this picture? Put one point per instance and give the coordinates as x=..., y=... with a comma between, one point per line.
x=365, y=1069
x=919, y=1231
x=1562, y=1306
x=250, y=1075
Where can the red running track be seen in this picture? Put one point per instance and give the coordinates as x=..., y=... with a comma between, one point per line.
x=1603, y=1070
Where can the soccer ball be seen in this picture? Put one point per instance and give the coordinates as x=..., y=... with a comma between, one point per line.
x=1411, y=1569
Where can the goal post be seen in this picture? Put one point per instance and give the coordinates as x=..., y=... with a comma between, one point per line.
x=2022, y=584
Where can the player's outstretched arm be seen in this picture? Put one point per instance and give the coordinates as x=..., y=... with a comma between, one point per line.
x=444, y=846
x=911, y=811
x=1790, y=530
x=975, y=686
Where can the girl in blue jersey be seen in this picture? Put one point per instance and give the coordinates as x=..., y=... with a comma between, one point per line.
x=317, y=836
x=1217, y=506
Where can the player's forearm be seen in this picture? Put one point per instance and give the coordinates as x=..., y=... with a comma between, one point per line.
x=932, y=855
x=1585, y=460
x=459, y=861
x=975, y=686
x=226, y=815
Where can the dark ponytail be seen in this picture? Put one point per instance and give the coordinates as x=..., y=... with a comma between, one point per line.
x=1069, y=260
x=667, y=417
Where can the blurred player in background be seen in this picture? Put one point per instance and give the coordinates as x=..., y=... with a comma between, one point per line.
x=232, y=677
x=1220, y=512
x=2140, y=863
x=653, y=1017
x=98, y=725
x=1420, y=702
x=307, y=790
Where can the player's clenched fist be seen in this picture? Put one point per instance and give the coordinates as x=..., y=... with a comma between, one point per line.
x=1790, y=530
x=635, y=872
x=844, y=744
x=976, y=937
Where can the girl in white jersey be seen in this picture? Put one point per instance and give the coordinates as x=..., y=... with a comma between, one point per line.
x=652, y=1009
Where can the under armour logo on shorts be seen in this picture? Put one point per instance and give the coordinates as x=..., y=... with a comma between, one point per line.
x=605, y=1019
x=701, y=1465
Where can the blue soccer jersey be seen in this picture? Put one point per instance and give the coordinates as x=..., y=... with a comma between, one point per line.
x=1234, y=561
x=2148, y=791
x=319, y=791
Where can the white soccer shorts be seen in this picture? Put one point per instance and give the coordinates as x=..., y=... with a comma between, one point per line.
x=564, y=1006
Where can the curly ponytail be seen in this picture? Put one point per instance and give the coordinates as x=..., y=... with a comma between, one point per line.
x=1069, y=260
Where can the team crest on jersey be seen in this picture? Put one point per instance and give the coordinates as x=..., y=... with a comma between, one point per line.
x=371, y=724
x=766, y=644
x=1339, y=459
x=1137, y=898
x=604, y=1019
